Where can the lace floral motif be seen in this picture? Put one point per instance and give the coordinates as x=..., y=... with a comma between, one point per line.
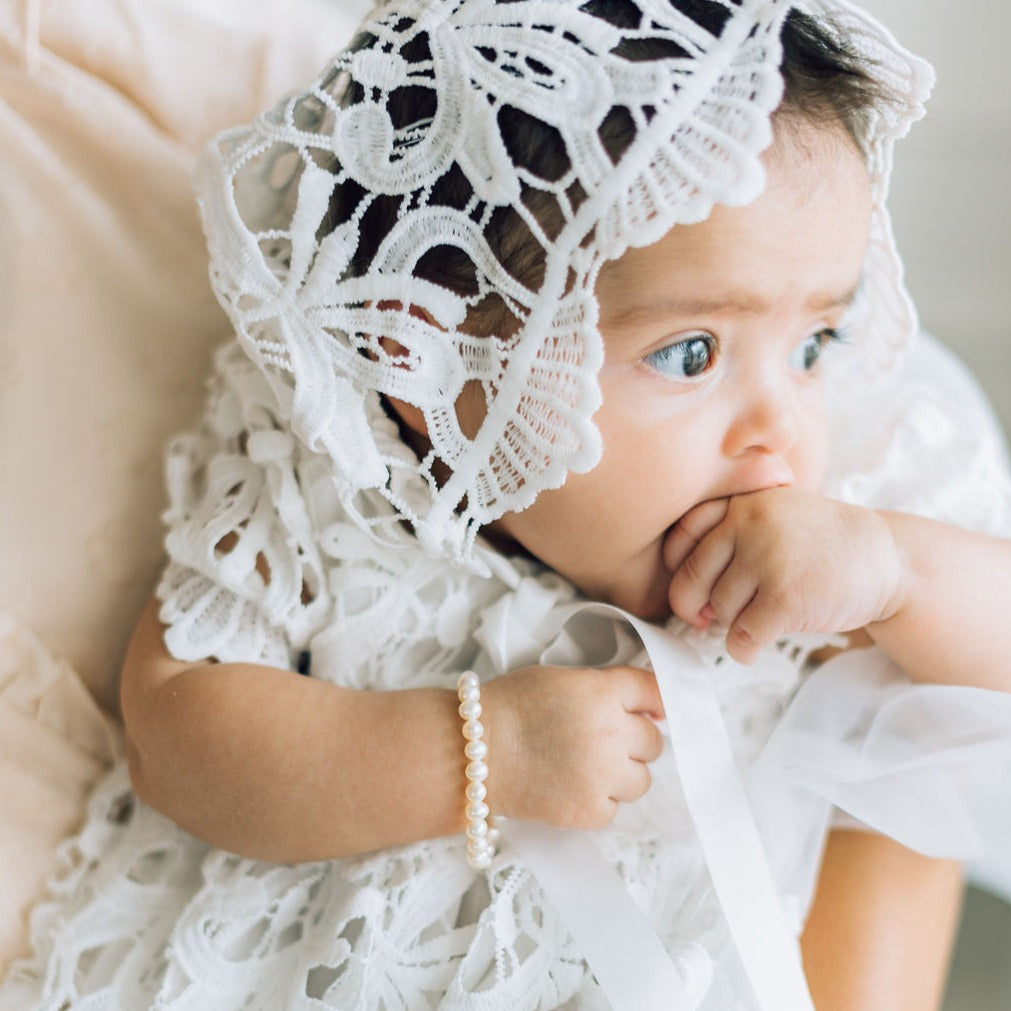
x=485, y=136
x=147, y=916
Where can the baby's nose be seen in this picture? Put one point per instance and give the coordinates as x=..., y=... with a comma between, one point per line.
x=766, y=423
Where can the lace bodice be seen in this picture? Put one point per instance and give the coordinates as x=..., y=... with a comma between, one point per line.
x=148, y=916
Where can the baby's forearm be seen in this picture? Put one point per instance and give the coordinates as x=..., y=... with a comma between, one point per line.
x=280, y=767
x=952, y=622
x=879, y=909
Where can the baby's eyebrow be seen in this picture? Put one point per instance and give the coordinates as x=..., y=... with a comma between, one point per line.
x=745, y=303
x=843, y=301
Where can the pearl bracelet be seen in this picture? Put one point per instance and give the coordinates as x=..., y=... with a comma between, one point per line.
x=481, y=839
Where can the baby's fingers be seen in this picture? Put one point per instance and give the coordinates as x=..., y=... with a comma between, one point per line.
x=691, y=586
x=647, y=740
x=639, y=692
x=634, y=781
x=757, y=625
x=690, y=529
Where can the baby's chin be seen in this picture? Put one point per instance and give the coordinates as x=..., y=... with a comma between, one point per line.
x=647, y=600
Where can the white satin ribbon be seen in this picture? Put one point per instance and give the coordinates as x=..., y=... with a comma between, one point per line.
x=618, y=942
x=725, y=824
x=612, y=934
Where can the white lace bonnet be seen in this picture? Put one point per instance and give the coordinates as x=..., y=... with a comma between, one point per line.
x=311, y=296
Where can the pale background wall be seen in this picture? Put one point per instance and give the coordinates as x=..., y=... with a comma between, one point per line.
x=951, y=198
x=951, y=201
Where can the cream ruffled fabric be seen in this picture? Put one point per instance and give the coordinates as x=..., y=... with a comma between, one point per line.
x=105, y=338
x=108, y=319
x=54, y=744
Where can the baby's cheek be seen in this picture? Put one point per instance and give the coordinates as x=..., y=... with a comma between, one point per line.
x=810, y=457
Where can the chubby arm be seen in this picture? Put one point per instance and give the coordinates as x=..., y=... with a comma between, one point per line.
x=276, y=766
x=932, y=595
x=880, y=931
x=948, y=621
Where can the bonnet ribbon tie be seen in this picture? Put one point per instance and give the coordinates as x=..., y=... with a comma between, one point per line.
x=619, y=944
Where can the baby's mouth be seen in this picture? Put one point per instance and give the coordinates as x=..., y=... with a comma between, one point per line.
x=739, y=488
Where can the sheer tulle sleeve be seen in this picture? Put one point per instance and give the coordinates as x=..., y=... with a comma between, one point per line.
x=923, y=440
x=924, y=764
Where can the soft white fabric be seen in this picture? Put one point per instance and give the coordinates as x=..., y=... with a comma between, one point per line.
x=290, y=206
x=147, y=910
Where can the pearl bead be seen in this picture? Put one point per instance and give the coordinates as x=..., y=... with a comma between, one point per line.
x=482, y=861
x=476, y=749
x=469, y=693
x=477, y=830
x=481, y=837
x=475, y=847
x=470, y=710
x=477, y=811
x=468, y=679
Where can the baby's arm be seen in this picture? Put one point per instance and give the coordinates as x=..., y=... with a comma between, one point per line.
x=880, y=931
x=276, y=766
x=932, y=595
x=950, y=619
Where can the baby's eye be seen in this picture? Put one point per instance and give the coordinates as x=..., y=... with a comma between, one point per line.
x=685, y=359
x=806, y=355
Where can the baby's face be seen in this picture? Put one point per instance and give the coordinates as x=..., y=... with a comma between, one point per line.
x=711, y=382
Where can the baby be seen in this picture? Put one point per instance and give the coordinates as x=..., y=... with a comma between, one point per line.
x=541, y=304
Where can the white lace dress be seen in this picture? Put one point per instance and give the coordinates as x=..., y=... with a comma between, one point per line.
x=146, y=916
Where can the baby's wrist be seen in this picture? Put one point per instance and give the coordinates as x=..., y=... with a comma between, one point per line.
x=498, y=718
x=893, y=559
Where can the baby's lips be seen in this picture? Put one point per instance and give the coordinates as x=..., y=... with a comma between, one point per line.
x=754, y=472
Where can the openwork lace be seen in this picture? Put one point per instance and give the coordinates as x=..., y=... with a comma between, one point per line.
x=425, y=223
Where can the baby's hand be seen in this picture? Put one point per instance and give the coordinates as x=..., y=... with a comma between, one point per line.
x=779, y=561
x=567, y=745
